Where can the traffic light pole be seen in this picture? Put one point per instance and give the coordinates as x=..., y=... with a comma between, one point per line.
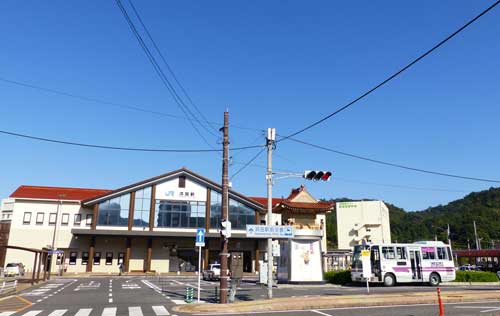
x=269, y=178
x=225, y=217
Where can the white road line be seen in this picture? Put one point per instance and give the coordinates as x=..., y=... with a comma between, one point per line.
x=6, y=313
x=159, y=311
x=32, y=313
x=321, y=313
x=178, y=282
x=109, y=311
x=179, y=302
x=83, y=312
x=135, y=311
x=110, y=294
x=58, y=312
x=110, y=300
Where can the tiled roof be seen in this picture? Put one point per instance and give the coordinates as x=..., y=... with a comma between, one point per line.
x=263, y=200
x=309, y=206
x=56, y=193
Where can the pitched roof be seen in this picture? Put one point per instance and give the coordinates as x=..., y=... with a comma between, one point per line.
x=56, y=193
x=263, y=200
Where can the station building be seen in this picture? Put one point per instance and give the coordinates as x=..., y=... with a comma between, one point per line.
x=147, y=226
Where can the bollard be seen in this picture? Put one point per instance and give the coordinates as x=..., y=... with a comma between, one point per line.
x=189, y=294
x=216, y=294
x=440, y=302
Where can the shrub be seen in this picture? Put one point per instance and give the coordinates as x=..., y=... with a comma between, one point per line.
x=338, y=277
x=476, y=276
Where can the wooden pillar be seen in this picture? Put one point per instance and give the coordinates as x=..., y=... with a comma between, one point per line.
x=34, y=269
x=149, y=254
x=152, y=208
x=90, y=263
x=40, y=257
x=45, y=262
x=257, y=218
x=207, y=211
x=131, y=211
x=94, y=219
x=128, y=245
x=257, y=256
x=206, y=256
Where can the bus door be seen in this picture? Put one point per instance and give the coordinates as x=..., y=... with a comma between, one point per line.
x=416, y=265
x=375, y=262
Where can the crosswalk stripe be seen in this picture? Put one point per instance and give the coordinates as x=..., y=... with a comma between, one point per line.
x=83, y=312
x=160, y=311
x=58, y=312
x=109, y=311
x=134, y=311
x=32, y=313
x=6, y=313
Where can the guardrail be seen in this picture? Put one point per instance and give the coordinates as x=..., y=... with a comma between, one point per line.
x=8, y=286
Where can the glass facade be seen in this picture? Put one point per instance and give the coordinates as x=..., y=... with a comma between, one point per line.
x=142, y=204
x=114, y=212
x=179, y=214
x=239, y=214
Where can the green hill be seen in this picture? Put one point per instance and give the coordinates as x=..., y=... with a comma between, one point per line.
x=482, y=207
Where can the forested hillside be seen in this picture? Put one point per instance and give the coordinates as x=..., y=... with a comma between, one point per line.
x=482, y=207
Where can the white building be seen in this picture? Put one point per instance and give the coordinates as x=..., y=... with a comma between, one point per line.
x=363, y=220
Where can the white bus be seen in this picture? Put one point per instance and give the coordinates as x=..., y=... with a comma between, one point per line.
x=426, y=262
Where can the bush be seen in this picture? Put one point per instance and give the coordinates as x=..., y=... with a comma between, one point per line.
x=476, y=276
x=338, y=277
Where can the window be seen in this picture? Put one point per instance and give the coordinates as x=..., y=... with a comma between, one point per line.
x=77, y=220
x=52, y=218
x=239, y=214
x=85, y=258
x=428, y=253
x=181, y=214
x=388, y=253
x=72, y=258
x=65, y=219
x=142, y=205
x=441, y=253
x=27, y=218
x=97, y=258
x=450, y=257
x=215, y=209
x=109, y=258
x=401, y=253
x=88, y=219
x=114, y=212
x=39, y=218
x=182, y=182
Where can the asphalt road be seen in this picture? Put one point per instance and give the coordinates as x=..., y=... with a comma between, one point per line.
x=140, y=296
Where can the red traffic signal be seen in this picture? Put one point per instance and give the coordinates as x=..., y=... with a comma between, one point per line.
x=317, y=175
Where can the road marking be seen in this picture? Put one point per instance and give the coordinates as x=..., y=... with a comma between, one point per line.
x=32, y=313
x=110, y=294
x=159, y=311
x=110, y=300
x=135, y=311
x=487, y=308
x=83, y=312
x=179, y=302
x=321, y=313
x=9, y=313
x=109, y=311
x=58, y=312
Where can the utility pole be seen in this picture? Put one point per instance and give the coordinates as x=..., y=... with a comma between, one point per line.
x=478, y=245
x=449, y=235
x=225, y=215
x=271, y=135
x=53, y=246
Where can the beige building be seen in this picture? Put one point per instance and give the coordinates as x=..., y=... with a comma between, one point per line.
x=362, y=221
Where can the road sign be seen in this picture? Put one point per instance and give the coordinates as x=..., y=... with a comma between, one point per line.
x=270, y=231
x=200, y=237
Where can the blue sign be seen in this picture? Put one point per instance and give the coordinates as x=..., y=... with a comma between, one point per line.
x=270, y=231
x=200, y=237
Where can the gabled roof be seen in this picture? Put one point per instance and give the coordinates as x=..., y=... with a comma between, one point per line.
x=167, y=176
x=56, y=193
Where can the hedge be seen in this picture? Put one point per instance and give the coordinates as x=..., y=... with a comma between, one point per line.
x=338, y=277
x=476, y=276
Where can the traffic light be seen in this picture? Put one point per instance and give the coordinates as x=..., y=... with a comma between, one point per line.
x=316, y=175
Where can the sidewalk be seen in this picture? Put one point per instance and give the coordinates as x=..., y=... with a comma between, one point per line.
x=333, y=301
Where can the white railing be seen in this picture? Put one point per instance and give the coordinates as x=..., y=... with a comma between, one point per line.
x=8, y=286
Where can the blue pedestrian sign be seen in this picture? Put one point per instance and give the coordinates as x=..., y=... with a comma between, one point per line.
x=200, y=237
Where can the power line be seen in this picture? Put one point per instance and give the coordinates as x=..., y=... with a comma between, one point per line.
x=438, y=173
x=160, y=72
x=249, y=162
x=172, y=72
x=63, y=142
x=393, y=75
x=399, y=186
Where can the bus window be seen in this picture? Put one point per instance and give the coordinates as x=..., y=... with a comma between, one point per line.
x=450, y=257
x=388, y=253
x=401, y=253
x=441, y=253
x=428, y=253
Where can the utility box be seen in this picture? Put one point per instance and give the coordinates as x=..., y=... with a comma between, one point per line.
x=236, y=265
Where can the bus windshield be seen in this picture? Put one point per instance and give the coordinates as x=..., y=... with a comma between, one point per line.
x=356, y=257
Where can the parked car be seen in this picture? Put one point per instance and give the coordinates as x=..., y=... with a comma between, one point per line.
x=498, y=275
x=467, y=267
x=213, y=272
x=14, y=269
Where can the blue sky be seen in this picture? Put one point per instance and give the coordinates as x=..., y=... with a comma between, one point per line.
x=279, y=64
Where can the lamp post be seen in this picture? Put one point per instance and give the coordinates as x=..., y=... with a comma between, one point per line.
x=53, y=245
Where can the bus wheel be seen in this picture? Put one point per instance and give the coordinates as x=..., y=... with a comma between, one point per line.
x=434, y=279
x=389, y=279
